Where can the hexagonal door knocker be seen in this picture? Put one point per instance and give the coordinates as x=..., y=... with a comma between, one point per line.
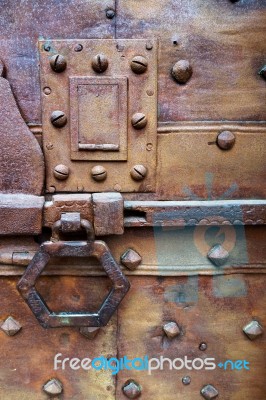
x=57, y=248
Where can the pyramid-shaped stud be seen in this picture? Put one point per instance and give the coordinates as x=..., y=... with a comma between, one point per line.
x=171, y=330
x=131, y=259
x=209, y=392
x=218, y=255
x=89, y=332
x=131, y=389
x=53, y=387
x=253, y=330
x=10, y=326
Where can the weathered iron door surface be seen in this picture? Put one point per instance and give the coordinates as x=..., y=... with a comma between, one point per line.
x=132, y=199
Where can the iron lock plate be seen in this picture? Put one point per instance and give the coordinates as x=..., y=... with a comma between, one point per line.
x=97, y=109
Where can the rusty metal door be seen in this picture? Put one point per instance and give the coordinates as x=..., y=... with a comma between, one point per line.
x=132, y=199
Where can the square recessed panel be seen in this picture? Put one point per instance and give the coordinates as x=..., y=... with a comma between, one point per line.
x=99, y=107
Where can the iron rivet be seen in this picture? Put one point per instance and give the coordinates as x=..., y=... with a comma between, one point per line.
x=49, y=146
x=110, y=13
x=150, y=92
x=47, y=90
x=182, y=71
x=149, y=146
x=226, y=140
x=99, y=173
x=51, y=189
x=46, y=47
x=171, y=330
x=99, y=63
x=58, y=119
x=58, y=63
x=218, y=255
x=253, y=330
x=78, y=48
x=203, y=346
x=131, y=389
x=61, y=172
x=138, y=172
x=262, y=72
x=139, y=121
x=186, y=380
x=53, y=387
x=89, y=332
x=10, y=326
x=139, y=64
x=131, y=259
x=149, y=46
x=209, y=392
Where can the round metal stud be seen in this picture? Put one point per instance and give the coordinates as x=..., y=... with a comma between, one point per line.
x=226, y=140
x=182, y=71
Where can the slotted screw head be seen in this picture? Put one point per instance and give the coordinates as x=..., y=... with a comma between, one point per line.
x=10, y=326
x=218, y=255
x=99, y=173
x=139, y=121
x=262, y=72
x=131, y=389
x=182, y=71
x=89, y=333
x=58, y=63
x=209, y=392
x=171, y=330
x=58, y=119
x=138, y=172
x=53, y=387
x=131, y=259
x=61, y=172
x=226, y=140
x=253, y=330
x=139, y=64
x=99, y=63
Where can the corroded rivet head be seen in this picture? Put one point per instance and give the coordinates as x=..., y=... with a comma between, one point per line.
x=53, y=387
x=61, y=172
x=58, y=63
x=138, y=172
x=58, y=119
x=88, y=332
x=131, y=389
x=171, y=330
x=203, y=346
x=99, y=63
x=139, y=64
x=149, y=45
x=226, y=140
x=262, y=72
x=253, y=330
x=10, y=326
x=186, y=380
x=209, y=392
x=182, y=71
x=139, y=121
x=110, y=13
x=131, y=259
x=99, y=173
x=218, y=255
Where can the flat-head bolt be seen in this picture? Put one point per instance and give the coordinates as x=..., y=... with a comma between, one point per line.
x=99, y=63
x=226, y=140
x=182, y=71
x=131, y=389
x=58, y=119
x=139, y=121
x=58, y=63
x=262, y=72
x=138, y=172
x=99, y=173
x=61, y=172
x=139, y=64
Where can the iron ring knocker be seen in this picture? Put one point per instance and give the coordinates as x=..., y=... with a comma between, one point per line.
x=90, y=248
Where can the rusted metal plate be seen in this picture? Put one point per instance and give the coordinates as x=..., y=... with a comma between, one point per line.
x=21, y=159
x=219, y=41
x=211, y=315
x=27, y=360
x=22, y=25
x=138, y=172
